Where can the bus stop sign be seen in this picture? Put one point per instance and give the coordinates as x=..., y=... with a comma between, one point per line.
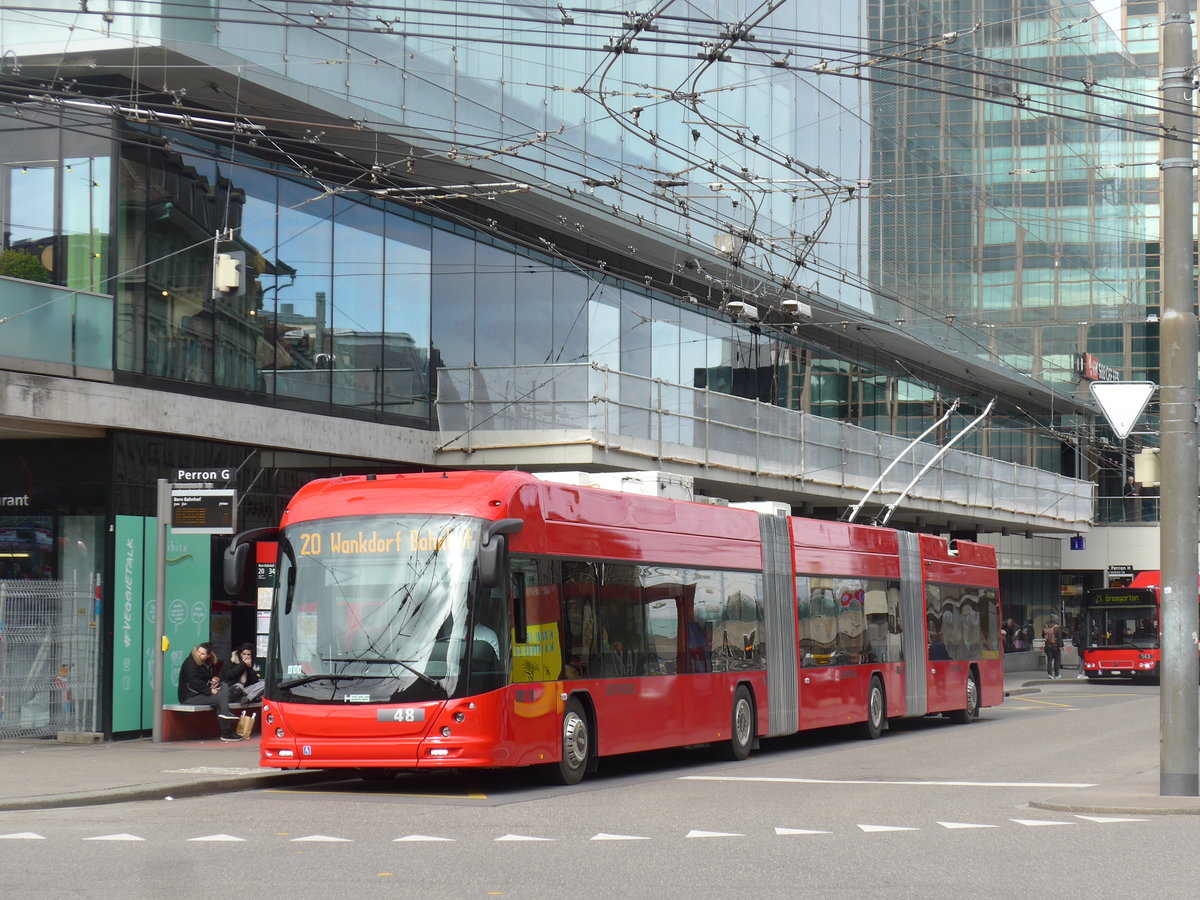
x=1122, y=402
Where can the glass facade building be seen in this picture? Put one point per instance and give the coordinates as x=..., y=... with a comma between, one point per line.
x=681, y=163
x=857, y=211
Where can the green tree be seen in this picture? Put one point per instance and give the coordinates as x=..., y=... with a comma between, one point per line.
x=19, y=264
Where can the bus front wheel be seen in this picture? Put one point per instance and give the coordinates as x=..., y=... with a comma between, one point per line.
x=576, y=743
x=741, y=726
x=971, y=710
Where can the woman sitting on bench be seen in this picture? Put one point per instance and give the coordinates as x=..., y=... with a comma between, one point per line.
x=200, y=686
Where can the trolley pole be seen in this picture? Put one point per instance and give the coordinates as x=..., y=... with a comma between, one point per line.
x=1179, y=526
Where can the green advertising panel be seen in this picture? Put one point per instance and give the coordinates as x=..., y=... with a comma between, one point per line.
x=187, y=610
x=129, y=639
x=188, y=603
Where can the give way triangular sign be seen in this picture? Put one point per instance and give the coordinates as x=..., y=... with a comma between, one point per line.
x=1122, y=402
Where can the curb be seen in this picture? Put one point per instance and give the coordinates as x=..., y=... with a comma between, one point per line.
x=168, y=790
x=1116, y=808
x=1137, y=804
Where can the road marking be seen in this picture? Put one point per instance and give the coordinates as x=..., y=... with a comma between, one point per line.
x=799, y=831
x=1035, y=823
x=421, y=837
x=1006, y=784
x=602, y=836
x=1046, y=703
x=115, y=837
x=522, y=837
x=316, y=838
x=217, y=837
x=1104, y=820
x=609, y=836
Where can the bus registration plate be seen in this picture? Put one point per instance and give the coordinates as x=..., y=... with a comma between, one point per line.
x=400, y=715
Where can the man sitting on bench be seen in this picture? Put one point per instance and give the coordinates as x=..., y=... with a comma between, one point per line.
x=200, y=686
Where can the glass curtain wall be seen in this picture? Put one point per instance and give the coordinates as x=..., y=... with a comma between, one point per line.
x=347, y=303
x=55, y=185
x=1011, y=205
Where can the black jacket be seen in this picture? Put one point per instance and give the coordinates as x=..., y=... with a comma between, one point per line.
x=194, y=679
x=240, y=672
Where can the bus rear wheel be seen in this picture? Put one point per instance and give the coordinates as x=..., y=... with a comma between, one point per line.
x=576, y=743
x=741, y=726
x=971, y=710
x=876, y=711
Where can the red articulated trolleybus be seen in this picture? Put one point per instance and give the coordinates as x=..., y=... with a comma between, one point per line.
x=1121, y=630
x=490, y=619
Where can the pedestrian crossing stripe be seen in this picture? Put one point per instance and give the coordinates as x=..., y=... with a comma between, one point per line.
x=217, y=837
x=602, y=836
x=1036, y=823
x=420, y=837
x=953, y=825
x=115, y=837
x=522, y=837
x=799, y=831
x=1104, y=820
x=21, y=836
x=322, y=837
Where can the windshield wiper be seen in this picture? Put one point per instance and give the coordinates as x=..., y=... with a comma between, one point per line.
x=307, y=679
x=385, y=661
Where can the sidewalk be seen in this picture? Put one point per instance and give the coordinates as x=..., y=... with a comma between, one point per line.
x=49, y=774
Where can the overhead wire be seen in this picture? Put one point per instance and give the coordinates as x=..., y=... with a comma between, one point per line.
x=819, y=189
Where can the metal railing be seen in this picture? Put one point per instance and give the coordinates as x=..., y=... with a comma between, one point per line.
x=49, y=658
x=481, y=408
x=1121, y=510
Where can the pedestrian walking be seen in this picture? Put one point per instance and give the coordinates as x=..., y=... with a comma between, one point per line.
x=1078, y=639
x=1052, y=636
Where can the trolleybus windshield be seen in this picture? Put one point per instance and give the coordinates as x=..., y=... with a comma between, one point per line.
x=1122, y=617
x=376, y=609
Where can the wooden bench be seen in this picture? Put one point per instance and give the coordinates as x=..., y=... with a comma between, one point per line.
x=185, y=722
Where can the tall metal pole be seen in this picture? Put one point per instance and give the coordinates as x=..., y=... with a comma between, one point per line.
x=1179, y=534
x=163, y=510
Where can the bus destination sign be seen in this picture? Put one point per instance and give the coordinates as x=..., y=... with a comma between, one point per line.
x=204, y=511
x=1118, y=597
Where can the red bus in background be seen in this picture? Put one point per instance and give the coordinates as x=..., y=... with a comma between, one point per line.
x=491, y=619
x=1121, y=630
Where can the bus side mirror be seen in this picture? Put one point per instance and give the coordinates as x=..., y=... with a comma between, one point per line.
x=237, y=557
x=493, y=550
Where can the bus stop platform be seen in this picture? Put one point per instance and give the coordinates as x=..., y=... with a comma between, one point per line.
x=49, y=774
